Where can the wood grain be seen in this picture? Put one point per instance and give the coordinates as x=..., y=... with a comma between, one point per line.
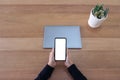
x=86, y=2
x=21, y=39
x=11, y=44
x=20, y=18
x=24, y=63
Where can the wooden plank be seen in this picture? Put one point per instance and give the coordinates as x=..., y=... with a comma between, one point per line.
x=53, y=8
x=96, y=59
x=103, y=74
x=92, y=74
x=37, y=43
x=101, y=43
x=29, y=63
x=13, y=19
x=21, y=43
x=82, y=2
x=32, y=25
x=38, y=59
x=21, y=65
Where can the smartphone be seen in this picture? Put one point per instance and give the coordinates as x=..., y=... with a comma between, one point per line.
x=60, y=48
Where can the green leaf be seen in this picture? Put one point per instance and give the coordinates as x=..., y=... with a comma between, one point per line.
x=99, y=11
x=106, y=12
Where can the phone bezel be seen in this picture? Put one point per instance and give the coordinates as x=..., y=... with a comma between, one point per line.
x=65, y=47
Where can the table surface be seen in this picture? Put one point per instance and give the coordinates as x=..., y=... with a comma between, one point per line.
x=21, y=39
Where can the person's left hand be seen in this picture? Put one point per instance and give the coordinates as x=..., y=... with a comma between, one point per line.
x=51, y=61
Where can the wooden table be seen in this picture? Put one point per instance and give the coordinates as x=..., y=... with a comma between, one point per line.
x=21, y=38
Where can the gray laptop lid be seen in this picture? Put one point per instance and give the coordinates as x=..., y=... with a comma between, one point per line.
x=72, y=33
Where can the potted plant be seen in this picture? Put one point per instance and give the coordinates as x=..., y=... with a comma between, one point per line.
x=97, y=15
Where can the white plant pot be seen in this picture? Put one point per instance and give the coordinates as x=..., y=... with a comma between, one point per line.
x=94, y=22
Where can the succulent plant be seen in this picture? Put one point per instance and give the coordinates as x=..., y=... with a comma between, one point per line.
x=99, y=11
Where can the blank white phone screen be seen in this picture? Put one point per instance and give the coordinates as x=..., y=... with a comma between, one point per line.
x=60, y=49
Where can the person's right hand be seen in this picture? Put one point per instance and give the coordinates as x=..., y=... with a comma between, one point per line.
x=68, y=61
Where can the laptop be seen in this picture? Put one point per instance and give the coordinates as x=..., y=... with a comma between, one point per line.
x=72, y=33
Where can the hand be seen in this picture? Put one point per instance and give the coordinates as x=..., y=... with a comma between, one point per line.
x=68, y=61
x=51, y=61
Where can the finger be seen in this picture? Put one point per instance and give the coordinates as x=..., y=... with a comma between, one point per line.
x=52, y=53
x=52, y=50
x=68, y=53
